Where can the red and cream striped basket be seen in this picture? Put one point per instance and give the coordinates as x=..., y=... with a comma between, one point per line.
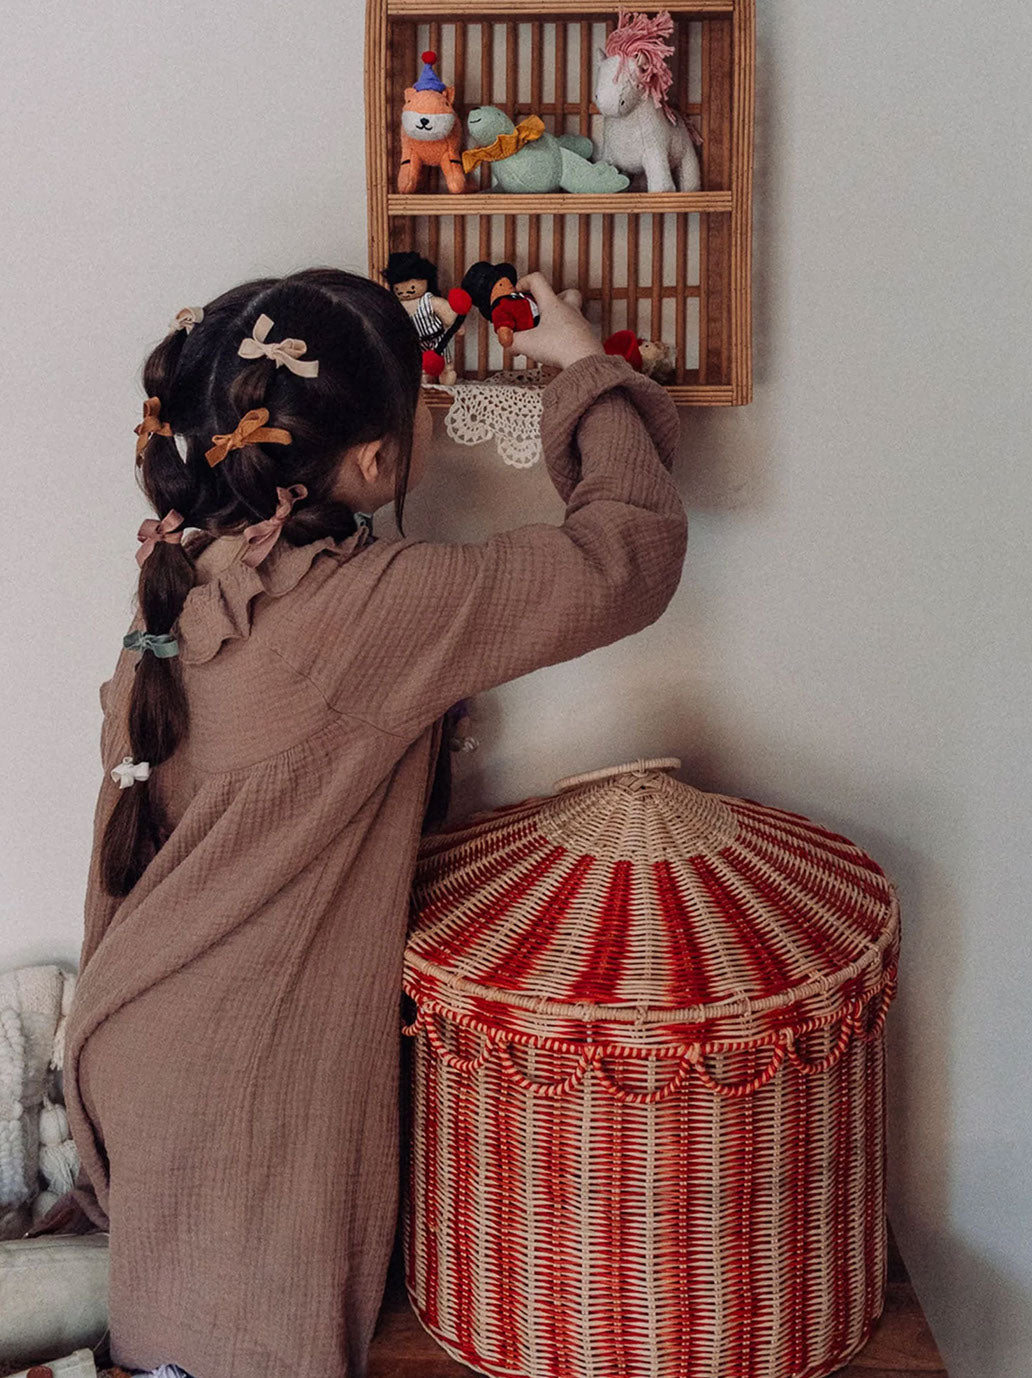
x=647, y=1091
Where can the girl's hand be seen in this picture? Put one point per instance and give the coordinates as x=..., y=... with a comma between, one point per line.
x=562, y=335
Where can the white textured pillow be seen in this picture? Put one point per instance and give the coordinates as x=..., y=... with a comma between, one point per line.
x=78, y=1365
x=30, y=1008
x=53, y=1296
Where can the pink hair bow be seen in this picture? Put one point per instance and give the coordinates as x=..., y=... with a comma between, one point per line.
x=151, y=532
x=263, y=535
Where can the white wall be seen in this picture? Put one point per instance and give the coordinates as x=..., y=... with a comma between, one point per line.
x=851, y=638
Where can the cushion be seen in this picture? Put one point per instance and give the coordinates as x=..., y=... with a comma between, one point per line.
x=78, y=1365
x=30, y=1008
x=53, y=1296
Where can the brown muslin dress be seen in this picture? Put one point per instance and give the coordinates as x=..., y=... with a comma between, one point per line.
x=232, y=1055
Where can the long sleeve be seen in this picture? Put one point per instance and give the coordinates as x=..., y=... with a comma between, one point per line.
x=441, y=622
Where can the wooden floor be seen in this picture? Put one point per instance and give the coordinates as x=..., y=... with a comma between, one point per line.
x=901, y=1343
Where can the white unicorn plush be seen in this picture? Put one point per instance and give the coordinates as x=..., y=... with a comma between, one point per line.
x=641, y=132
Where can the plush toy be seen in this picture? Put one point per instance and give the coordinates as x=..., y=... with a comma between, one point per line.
x=524, y=158
x=651, y=357
x=641, y=132
x=413, y=280
x=657, y=360
x=492, y=288
x=431, y=135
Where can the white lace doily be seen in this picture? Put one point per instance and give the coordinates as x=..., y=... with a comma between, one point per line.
x=505, y=406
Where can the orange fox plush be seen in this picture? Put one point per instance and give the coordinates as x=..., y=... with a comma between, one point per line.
x=431, y=134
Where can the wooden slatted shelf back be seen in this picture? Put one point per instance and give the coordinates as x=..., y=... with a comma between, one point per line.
x=671, y=266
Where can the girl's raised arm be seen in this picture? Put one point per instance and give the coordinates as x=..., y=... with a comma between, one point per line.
x=441, y=622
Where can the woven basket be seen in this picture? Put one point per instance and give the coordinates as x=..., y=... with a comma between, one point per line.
x=647, y=1086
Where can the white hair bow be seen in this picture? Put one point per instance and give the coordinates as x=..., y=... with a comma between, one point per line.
x=127, y=772
x=281, y=352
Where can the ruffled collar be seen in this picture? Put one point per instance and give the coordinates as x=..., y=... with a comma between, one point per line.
x=219, y=609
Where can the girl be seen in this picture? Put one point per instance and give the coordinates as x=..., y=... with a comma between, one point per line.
x=269, y=740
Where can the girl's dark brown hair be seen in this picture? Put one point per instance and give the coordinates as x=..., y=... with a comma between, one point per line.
x=366, y=389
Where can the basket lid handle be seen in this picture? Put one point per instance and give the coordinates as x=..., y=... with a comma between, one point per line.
x=608, y=772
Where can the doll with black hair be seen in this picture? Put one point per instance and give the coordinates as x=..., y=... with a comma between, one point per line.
x=413, y=280
x=492, y=287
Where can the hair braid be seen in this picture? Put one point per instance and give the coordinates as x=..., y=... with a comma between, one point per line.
x=158, y=712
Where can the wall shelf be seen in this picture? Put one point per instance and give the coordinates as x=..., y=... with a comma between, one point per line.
x=671, y=266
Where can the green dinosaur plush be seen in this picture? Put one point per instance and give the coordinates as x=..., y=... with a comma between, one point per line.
x=544, y=164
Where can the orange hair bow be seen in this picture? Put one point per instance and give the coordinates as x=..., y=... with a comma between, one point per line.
x=150, y=425
x=251, y=429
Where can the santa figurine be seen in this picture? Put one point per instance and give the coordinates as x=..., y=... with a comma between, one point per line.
x=492, y=286
x=651, y=357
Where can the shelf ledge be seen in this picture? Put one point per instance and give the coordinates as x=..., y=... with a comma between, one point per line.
x=561, y=203
x=541, y=9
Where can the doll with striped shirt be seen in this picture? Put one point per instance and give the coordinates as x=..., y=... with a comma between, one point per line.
x=413, y=280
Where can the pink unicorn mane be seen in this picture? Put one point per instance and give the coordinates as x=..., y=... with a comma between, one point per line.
x=636, y=36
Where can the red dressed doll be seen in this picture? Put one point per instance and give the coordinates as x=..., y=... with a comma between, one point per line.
x=492, y=286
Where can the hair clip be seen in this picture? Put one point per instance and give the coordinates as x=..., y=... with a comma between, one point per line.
x=263, y=535
x=128, y=771
x=150, y=425
x=285, y=353
x=151, y=532
x=160, y=645
x=250, y=430
x=187, y=318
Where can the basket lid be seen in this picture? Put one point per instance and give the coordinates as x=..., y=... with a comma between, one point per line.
x=634, y=908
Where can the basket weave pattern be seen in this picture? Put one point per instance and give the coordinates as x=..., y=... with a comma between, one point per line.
x=648, y=1087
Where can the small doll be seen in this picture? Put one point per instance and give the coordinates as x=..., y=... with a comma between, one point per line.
x=492, y=287
x=413, y=280
x=651, y=357
x=431, y=134
x=657, y=360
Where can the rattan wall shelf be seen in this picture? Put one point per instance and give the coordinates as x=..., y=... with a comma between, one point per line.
x=673, y=266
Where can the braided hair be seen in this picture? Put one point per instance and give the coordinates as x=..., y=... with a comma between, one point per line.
x=366, y=389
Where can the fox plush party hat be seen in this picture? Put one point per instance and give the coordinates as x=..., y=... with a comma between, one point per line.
x=428, y=78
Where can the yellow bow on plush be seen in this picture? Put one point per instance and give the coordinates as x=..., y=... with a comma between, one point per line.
x=505, y=145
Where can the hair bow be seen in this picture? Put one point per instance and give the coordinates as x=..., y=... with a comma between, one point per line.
x=263, y=535
x=160, y=645
x=128, y=771
x=250, y=430
x=187, y=318
x=150, y=425
x=283, y=353
x=151, y=532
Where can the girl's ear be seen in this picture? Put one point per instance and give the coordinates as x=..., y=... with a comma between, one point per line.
x=367, y=458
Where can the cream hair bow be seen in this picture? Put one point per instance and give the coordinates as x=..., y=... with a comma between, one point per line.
x=128, y=771
x=282, y=352
x=187, y=318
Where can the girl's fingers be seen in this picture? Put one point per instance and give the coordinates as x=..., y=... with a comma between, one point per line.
x=538, y=286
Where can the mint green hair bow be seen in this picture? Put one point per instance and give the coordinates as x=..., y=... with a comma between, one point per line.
x=161, y=646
